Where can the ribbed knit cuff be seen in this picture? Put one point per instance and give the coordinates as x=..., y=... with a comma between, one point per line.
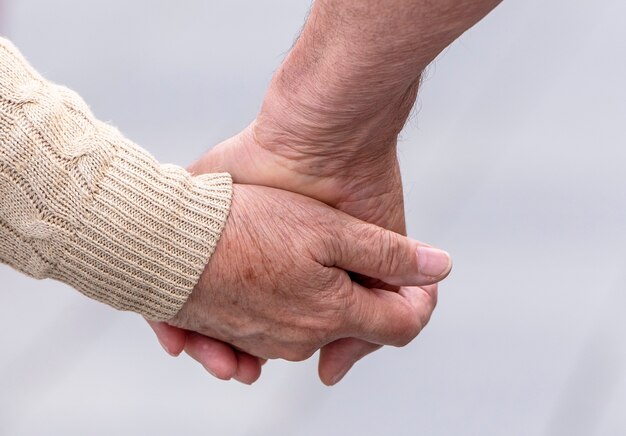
x=147, y=235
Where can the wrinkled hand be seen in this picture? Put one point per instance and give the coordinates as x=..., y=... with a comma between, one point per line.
x=277, y=286
x=345, y=160
x=369, y=190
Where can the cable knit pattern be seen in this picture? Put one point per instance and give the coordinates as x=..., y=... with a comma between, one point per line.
x=82, y=204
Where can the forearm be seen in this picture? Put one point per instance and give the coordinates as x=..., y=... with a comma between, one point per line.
x=356, y=67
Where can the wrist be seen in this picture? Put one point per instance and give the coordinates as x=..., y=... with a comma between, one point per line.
x=321, y=119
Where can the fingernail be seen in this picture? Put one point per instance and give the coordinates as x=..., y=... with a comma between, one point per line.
x=340, y=375
x=433, y=262
x=338, y=378
x=243, y=381
x=210, y=371
x=167, y=349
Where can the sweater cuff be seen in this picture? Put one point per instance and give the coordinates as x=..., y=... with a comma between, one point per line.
x=146, y=235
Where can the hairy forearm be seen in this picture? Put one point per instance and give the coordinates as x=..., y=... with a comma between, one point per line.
x=367, y=48
x=356, y=67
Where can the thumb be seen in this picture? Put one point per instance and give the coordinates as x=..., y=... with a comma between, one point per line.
x=215, y=160
x=246, y=162
x=397, y=260
x=238, y=155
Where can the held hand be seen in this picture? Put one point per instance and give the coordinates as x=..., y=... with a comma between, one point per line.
x=217, y=357
x=369, y=189
x=374, y=194
x=354, y=170
x=276, y=286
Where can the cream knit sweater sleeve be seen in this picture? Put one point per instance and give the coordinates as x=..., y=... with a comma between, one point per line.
x=82, y=204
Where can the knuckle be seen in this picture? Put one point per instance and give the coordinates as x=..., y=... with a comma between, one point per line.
x=271, y=354
x=429, y=309
x=377, y=245
x=393, y=255
x=334, y=245
x=291, y=355
x=339, y=241
x=433, y=296
x=408, y=330
x=307, y=352
x=330, y=283
x=299, y=353
x=403, y=340
x=388, y=250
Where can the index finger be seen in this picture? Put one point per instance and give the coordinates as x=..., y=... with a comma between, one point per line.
x=389, y=318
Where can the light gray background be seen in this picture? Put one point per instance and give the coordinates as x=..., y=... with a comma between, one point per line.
x=514, y=162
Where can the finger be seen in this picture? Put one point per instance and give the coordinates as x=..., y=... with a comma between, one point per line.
x=172, y=339
x=375, y=252
x=248, y=368
x=218, y=358
x=389, y=318
x=338, y=357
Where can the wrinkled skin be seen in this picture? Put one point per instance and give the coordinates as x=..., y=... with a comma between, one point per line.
x=328, y=129
x=367, y=188
x=276, y=286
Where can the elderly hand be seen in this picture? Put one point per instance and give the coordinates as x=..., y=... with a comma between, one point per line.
x=328, y=129
x=277, y=286
x=348, y=164
x=370, y=189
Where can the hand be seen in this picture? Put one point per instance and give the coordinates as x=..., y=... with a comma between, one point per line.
x=350, y=165
x=353, y=89
x=378, y=199
x=368, y=188
x=277, y=286
x=217, y=357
